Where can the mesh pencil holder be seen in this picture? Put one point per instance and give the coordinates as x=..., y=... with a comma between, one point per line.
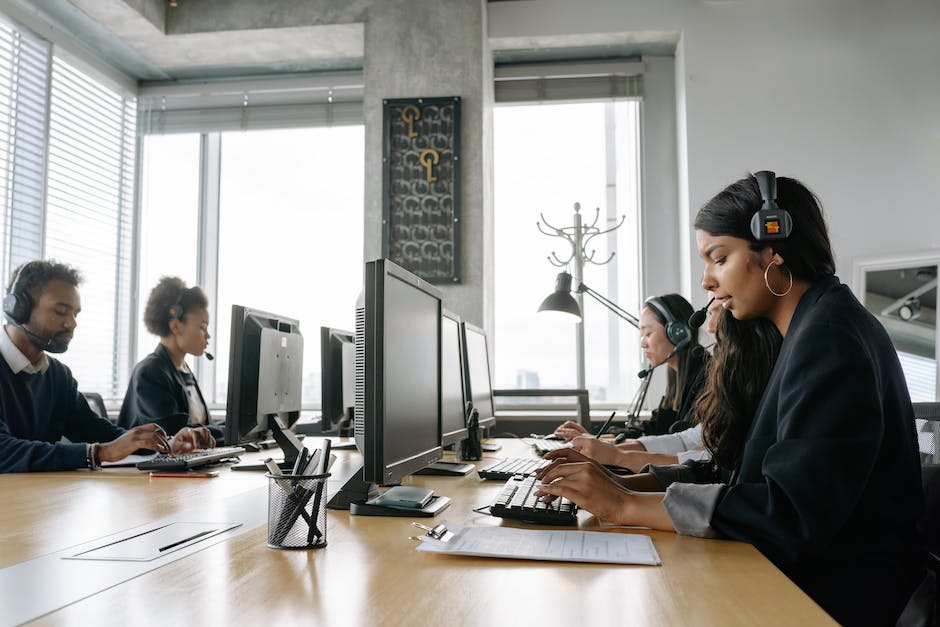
x=297, y=511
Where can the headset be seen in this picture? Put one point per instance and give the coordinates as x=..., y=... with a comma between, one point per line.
x=176, y=311
x=677, y=331
x=770, y=223
x=18, y=304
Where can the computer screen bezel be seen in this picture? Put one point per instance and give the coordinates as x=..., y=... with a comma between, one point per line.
x=335, y=416
x=485, y=422
x=454, y=436
x=370, y=421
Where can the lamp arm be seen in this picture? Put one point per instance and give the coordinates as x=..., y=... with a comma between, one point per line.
x=584, y=289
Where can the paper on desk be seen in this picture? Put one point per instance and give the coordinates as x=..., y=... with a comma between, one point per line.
x=130, y=460
x=551, y=545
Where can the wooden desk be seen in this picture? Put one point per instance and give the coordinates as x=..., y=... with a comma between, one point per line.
x=370, y=573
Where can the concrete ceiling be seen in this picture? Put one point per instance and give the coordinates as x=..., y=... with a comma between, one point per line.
x=153, y=43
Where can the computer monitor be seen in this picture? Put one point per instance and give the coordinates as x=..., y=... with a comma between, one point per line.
x=338, y=378
x=264, y=380
x=478, y=377
x=453, y=405
x=398, y=382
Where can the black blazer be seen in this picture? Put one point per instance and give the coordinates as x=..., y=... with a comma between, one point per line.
x=157, y=393
x=829, y=486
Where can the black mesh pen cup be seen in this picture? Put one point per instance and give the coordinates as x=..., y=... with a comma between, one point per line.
x=297, y=511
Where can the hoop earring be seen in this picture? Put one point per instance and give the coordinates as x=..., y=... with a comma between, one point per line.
x=767, y=281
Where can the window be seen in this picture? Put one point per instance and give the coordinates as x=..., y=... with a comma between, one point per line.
x=89, y=212
x=548, y=157
x=169, y=217
x=291, y=234
x=24, y=72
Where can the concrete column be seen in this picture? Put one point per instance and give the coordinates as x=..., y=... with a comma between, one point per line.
x=435, y=48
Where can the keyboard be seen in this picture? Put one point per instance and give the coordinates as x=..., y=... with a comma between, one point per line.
x=507, y=468
x=193, y=459
x=517, y=500
x=543, y=446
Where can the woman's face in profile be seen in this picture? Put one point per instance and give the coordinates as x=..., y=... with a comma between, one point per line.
x=193, y=332
x=653, y=339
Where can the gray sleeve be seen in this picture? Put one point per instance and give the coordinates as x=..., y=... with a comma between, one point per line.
x=691, y=506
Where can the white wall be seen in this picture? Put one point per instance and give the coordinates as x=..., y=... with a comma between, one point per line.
x=841, y=94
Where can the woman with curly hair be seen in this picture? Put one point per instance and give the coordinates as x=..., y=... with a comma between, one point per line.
x=162, y=388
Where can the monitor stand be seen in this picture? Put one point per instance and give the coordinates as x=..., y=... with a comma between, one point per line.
x=355, y=492
x=447, y=469
x=286, y=439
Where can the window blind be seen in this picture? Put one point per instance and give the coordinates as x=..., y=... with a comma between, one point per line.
x=89, y=217
x=568, y=81
x=24, y=71
x=312, y=101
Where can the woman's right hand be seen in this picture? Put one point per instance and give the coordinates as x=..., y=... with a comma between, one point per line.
x=601, y=451
x=569, y=430
x=150, y=436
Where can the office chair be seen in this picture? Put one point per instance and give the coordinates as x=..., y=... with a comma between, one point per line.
x=928, y=438
x=96, y=403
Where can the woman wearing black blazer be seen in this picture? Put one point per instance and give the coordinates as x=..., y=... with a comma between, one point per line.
x=826, y=479
x=162, y=388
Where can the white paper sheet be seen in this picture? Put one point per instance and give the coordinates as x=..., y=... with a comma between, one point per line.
x=551, y=545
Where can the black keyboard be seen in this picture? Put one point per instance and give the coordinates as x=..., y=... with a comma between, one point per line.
x=544, y=446
x=517, y=500
x=509, y=467
x=193, y=459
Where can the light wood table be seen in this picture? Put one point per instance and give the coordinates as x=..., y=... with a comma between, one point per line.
x=370, y=572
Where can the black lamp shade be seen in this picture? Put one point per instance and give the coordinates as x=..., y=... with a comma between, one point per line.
x=560, y=304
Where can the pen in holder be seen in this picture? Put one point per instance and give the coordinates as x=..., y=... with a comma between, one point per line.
x=297, y=511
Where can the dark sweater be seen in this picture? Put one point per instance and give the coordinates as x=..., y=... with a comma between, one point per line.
x=156, y=393
x=36, y=410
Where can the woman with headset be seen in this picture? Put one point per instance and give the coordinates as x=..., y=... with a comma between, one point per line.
x=666, y=338
x=162, y=388
x=826, y=471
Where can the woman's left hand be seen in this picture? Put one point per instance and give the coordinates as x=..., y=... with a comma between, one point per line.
x=189, y=439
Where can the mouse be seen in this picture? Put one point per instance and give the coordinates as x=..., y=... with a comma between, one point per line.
x=251, y=446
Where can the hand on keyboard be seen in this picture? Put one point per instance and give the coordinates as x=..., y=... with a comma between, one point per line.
x=191, y=439
x=586, y=483
x=519, y=500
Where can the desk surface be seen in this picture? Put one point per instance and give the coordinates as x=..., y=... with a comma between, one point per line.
x=370, y=572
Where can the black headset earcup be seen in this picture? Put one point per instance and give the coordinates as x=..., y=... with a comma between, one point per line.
x=678, y=332
x=16, y=307
x=770, y=223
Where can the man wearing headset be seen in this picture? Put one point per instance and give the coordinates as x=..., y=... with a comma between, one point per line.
x=39, y=400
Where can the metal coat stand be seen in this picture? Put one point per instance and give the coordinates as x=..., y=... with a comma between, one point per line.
x=579, y=235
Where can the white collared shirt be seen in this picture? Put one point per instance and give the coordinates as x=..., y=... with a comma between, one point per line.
x=15, y=358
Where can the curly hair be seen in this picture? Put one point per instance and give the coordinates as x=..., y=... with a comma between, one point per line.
x=171, y=291
x=31, y=277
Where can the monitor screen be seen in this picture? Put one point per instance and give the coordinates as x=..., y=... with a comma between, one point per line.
x=478, y=374
x=264, y=377
x=338, y=379
x=453, y=409
x=398, y=351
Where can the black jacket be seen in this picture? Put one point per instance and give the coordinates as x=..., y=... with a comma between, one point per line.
x=157, y=393
x=829, y=486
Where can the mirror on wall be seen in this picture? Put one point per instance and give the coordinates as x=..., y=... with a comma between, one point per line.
x=903, y=296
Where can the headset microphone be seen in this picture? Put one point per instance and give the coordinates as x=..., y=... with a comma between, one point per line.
x=648, y=371
x=43, y=343
x=697, y=319
x=208, y=355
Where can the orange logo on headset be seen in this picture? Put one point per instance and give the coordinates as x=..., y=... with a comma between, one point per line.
x=772, y=227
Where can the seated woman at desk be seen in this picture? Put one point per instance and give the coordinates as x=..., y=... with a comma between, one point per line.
x=162, y=388
x=663, y=326
x=826, y=479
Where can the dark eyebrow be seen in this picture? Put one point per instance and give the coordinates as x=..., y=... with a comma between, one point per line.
x=708, y=251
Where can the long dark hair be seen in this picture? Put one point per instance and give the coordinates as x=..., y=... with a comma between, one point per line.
x=742, y=360
x=746, y=350
x=690, y=361
x=806, y=252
